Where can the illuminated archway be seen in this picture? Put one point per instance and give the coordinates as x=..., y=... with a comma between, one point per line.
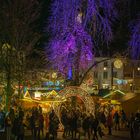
x=80, y=93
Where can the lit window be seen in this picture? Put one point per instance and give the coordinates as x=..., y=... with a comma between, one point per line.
x=105, y=86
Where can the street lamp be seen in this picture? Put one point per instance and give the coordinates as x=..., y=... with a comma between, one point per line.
x=117, y=63
x=135, y=71
x=105, y=68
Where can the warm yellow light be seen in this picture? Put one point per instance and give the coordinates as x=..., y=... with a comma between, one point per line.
x=130, y=85
x=118, y=63
x=38, y=95
x=114, y=102
x=54, y=75
x=27, y=95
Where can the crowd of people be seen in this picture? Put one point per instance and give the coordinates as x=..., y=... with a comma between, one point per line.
x=92, y=125
x=134, y=124
x=17, y=121
x=76, y=124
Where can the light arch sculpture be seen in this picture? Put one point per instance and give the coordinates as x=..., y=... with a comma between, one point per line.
x=80, y=93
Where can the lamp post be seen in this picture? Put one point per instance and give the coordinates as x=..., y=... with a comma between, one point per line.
x=135, y=71
x=117, y=63
x=112, y=66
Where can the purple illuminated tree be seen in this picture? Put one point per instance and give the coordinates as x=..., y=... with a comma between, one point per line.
x=135, y=40
x=74, y=25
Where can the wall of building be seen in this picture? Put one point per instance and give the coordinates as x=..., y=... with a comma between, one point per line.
x=105, y=74
x=132, y=75
x=126, y=78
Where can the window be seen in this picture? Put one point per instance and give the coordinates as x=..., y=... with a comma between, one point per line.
x=105, y=86
x=96, y=74
x=105, y=64
x=105, y=75
x=115, y=74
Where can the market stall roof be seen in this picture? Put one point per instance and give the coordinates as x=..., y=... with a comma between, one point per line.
x=43, y=102
x=114, y=94
x=108, y=96
x=27, y=95
x=52, y=96
x=103, y=92
x=131, y=97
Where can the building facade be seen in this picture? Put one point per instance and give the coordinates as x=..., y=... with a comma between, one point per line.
x=106, y=75
x=119, y=74
x=132, y=75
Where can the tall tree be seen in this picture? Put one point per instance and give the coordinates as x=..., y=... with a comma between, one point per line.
x=76, y=27
x=18, y=28
x=19, y=22
x=135, y=39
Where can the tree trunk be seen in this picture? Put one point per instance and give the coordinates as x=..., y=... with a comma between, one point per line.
x=77, y=67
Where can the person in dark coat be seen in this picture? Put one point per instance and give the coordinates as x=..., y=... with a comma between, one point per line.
x=109, y=123
x=32, y=124
x=94, y=127
x=8, y=124
x=134, y=126
x=123, y=119
x=41, y=123
x=21, y=130
x=117, y=120
x=15, y=127
x=86, y=126
x=21, y=113
x=2, y=120
x=64, y=120
x=73, y=125
x=131, y=123
x=102, y=118
x=53, y=127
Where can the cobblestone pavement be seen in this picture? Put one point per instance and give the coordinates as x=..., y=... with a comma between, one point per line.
x=116, y=135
